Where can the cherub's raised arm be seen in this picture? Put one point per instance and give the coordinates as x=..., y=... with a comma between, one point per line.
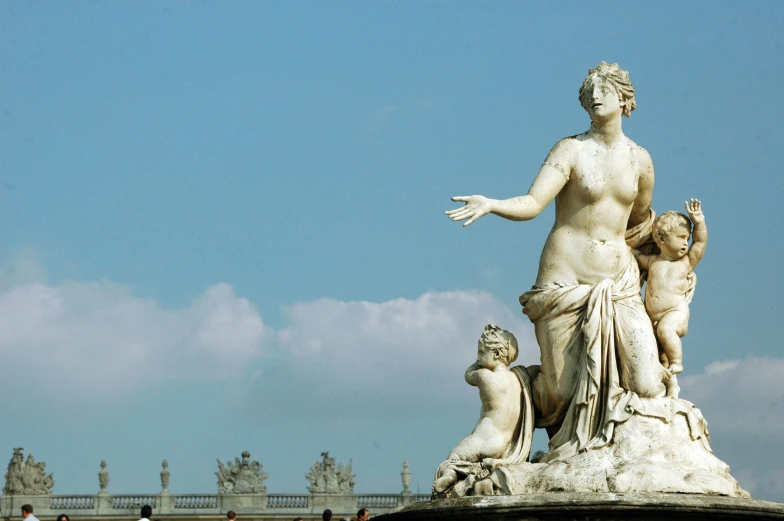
x=550, y=180
x=699, y=237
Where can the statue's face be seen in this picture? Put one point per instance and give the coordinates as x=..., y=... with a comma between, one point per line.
x=605, y=100
x=676, y=244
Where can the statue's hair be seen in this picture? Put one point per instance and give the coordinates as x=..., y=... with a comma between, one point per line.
x=664, y=225
x=618, y=78
x=502, y=342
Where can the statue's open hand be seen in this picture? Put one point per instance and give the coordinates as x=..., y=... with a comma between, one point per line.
x=475, y=207
x=694, y=207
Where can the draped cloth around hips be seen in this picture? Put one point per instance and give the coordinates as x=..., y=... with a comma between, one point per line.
x=599, y=360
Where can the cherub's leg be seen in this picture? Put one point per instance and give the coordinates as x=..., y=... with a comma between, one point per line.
x=470, y=449
x=672, y=326
x=444, y=482
x=673, y=389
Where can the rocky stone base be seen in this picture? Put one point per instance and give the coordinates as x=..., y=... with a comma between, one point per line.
x=584, y=507
x=664, y=453
x=647, y=455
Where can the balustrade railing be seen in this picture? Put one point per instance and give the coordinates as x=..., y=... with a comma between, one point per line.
x=287, y=501
x=377, y=500
x=175, y=506
x=133, y=502
x=72, y=502
x=195, y=501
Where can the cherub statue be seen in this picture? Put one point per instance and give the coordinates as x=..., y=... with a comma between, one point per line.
x=671, y=281
x=500, y=392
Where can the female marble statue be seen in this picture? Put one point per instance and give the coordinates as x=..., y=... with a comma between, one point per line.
x=599, y=358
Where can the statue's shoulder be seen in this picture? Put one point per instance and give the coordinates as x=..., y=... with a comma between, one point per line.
x=567, y=146
x=573, y=141
x=638, y=150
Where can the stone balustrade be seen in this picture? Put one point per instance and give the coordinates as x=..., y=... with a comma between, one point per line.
x=181, y=507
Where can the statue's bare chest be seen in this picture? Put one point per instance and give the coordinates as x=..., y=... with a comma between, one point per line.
x=600, y=173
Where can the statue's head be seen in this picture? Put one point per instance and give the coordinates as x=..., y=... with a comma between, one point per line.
x=500, y=342
x=612, y=75
x=667, y=227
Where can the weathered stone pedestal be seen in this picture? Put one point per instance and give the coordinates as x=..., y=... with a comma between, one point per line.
x=557, y=506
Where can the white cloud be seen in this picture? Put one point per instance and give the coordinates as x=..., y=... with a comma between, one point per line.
x=98, y=337
x=397, y=352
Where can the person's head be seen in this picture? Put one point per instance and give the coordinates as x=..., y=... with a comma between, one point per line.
x=671, y=232
x=363, y=514
x=326, y=515
x=496, y=346
x=27, y=510
x=231, y=515
x=63, y=517
x=146, y=511
x=599, y=80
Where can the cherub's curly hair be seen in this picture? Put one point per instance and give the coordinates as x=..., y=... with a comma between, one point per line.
x=502, y=342
x=618, y=78
x=667, y=222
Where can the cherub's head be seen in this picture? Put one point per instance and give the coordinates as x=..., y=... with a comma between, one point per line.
x=496, y=346
x=612, y=75
x=671, y=232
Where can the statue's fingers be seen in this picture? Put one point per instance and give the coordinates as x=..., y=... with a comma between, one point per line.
x=456, y=210
x=463, y=198
x=463, y=212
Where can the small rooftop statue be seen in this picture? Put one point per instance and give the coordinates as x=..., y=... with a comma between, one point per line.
x=27, y=477
x=325, y=478
x=241, y=477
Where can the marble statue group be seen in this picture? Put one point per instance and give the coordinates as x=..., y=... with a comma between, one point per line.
x=605, y=389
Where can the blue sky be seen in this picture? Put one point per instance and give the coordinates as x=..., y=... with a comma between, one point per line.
x=222, y=229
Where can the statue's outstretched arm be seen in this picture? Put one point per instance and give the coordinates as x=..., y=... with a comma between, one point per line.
x=552, y=177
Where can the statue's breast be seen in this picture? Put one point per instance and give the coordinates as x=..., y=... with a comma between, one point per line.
x=599, y=175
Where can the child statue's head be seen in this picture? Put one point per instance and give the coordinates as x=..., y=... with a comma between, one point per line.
x=671, y=232
x=500, y=342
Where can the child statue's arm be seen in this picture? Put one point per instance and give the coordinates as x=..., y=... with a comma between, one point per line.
x=700, y=234
x=472, y=373
x=643, y=260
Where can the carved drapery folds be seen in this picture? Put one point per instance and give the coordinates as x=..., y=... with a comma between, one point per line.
x=241, y=477
x=326, y=478
x=27, y=477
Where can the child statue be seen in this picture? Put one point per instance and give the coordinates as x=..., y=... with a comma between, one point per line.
x=671, y=281
x=500, y=392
